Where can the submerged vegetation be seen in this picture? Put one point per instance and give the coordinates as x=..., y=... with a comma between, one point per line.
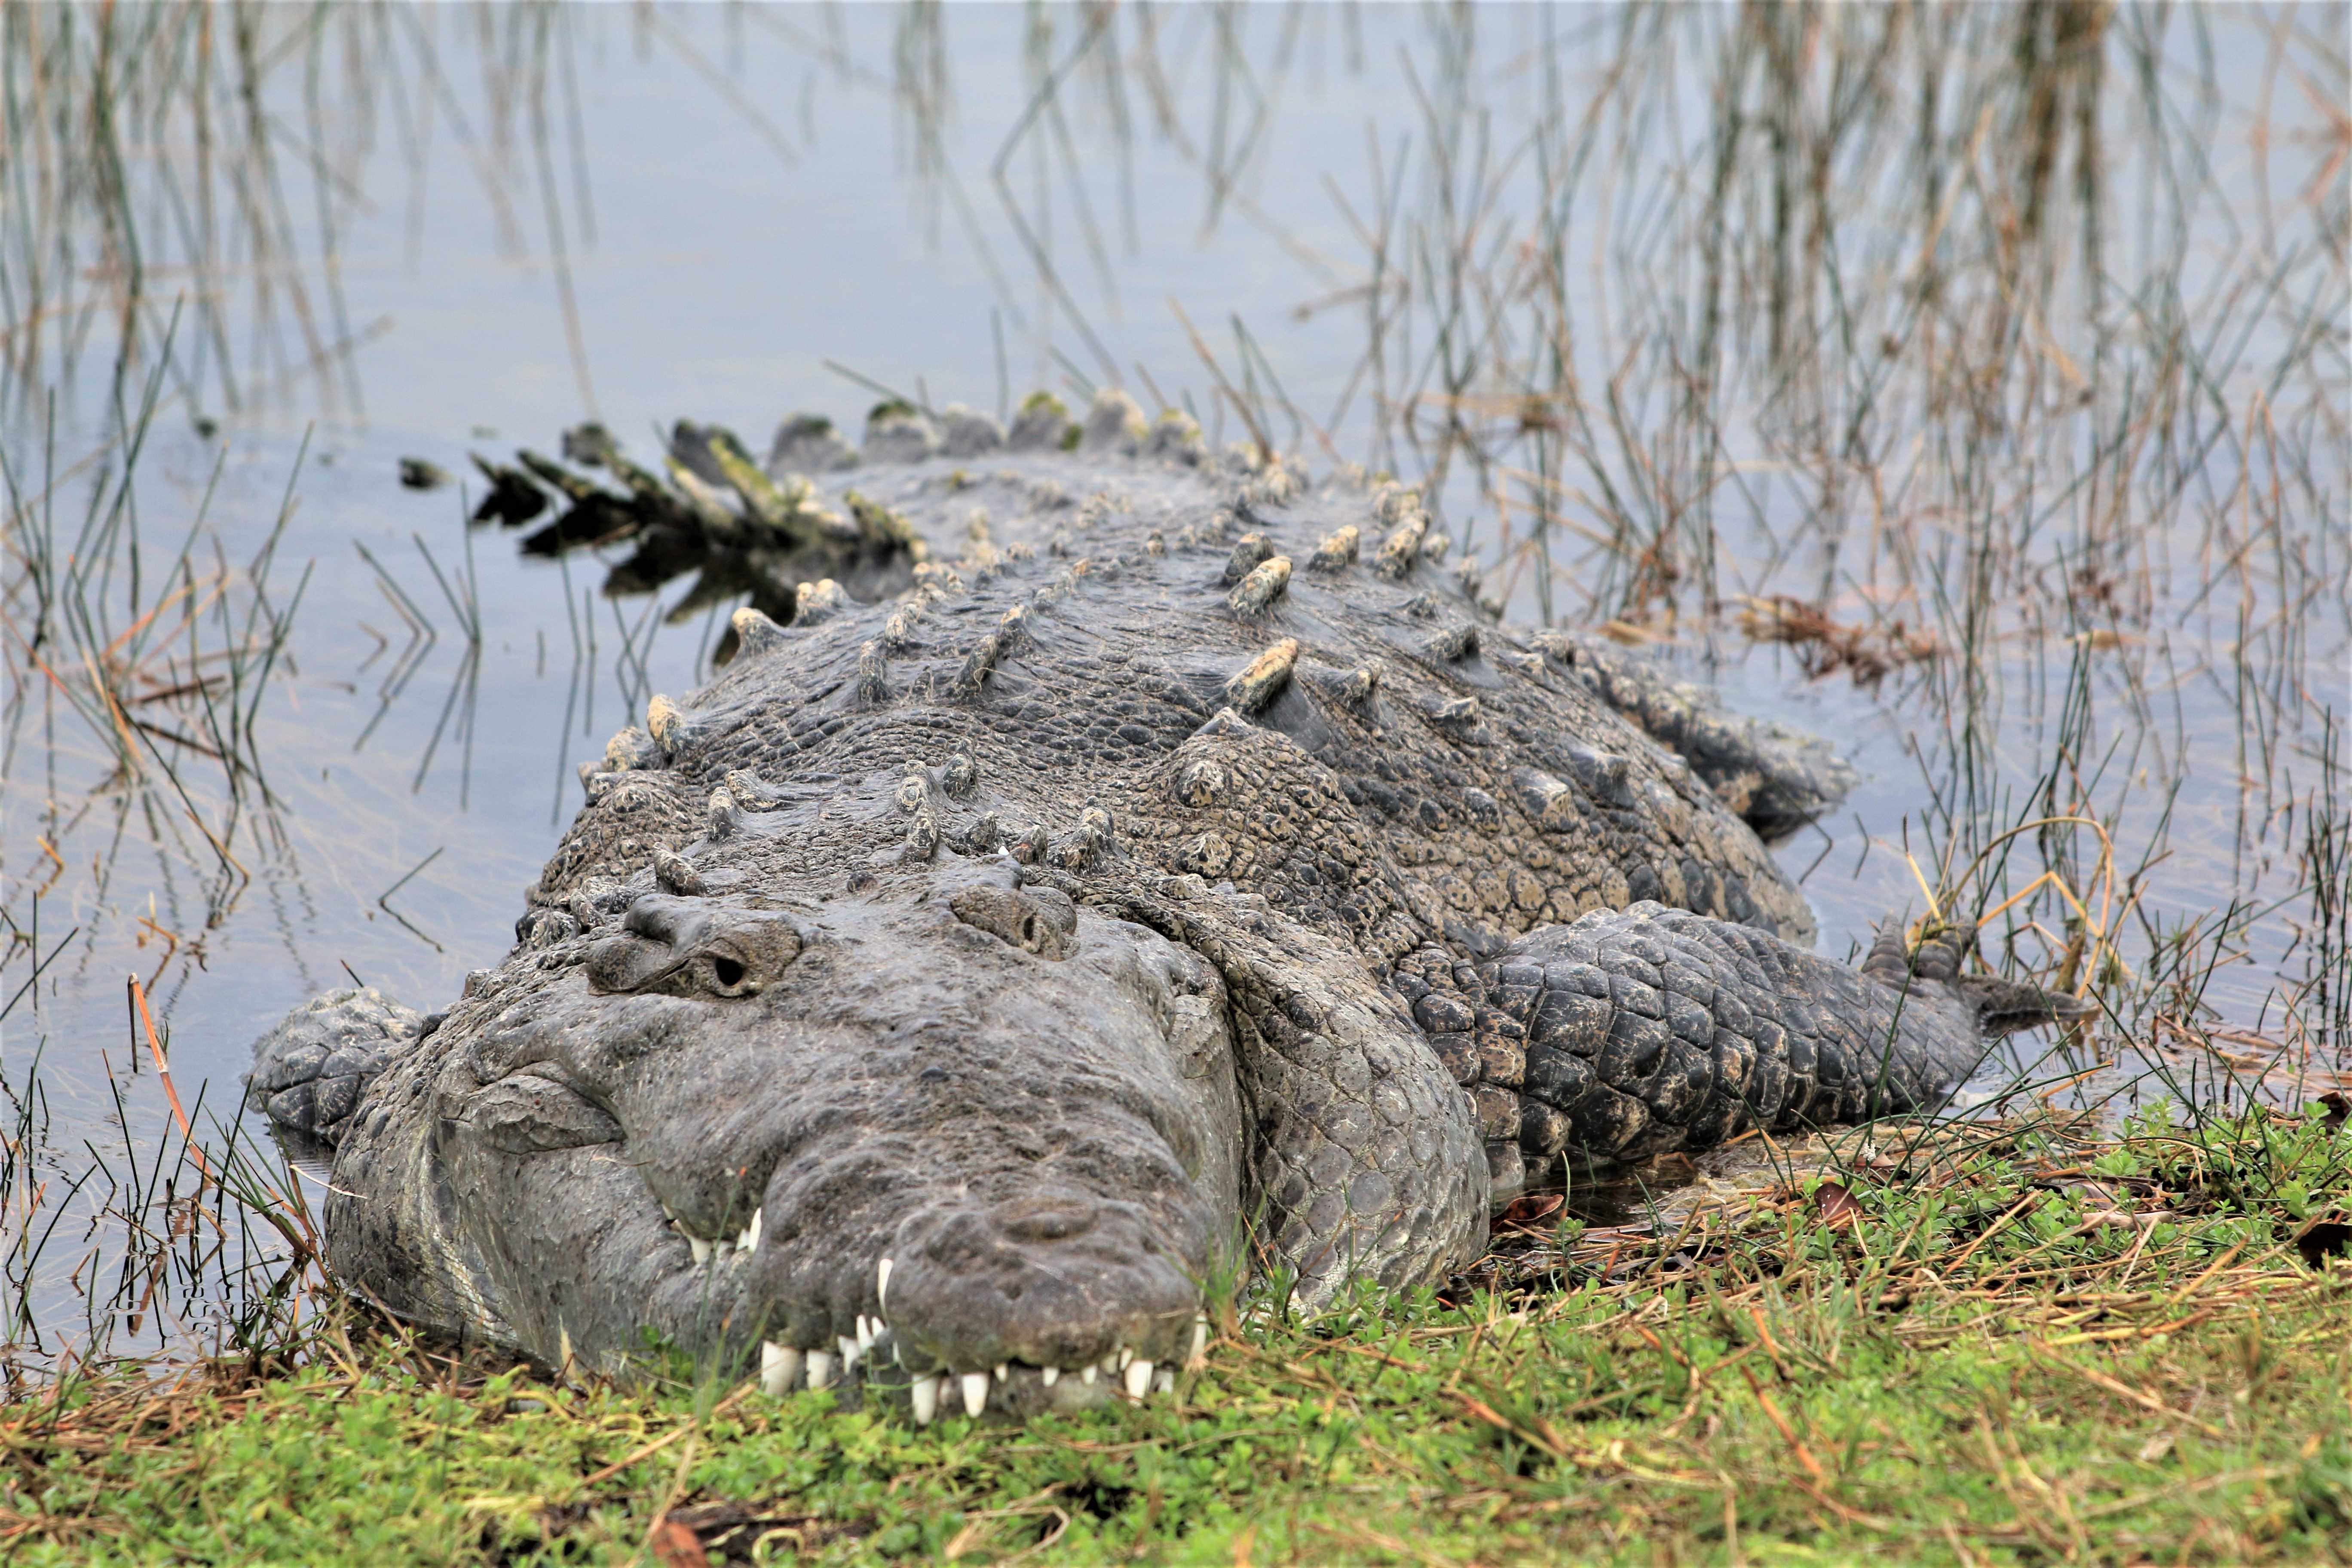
x=1974, y=377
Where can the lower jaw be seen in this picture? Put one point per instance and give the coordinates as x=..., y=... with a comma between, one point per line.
x=1009, y=1390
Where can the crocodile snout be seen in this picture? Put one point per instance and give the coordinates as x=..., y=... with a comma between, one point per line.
x=1044, y=1220
x=957, y=1171
x=998, y=1307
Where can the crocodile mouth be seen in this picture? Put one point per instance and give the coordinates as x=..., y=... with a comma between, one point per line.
x=901, y=1363
x=936, y=1348
x=1004, y=1293
x=931, y=1374
x=1015, y=1390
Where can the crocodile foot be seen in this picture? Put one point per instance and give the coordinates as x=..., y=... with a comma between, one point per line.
x=310, y=1072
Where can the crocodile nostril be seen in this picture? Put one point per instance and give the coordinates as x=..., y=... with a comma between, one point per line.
x=1020, y=918
x=625, y=964
x=1057, y=1223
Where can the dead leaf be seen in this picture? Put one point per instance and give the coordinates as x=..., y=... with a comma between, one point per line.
x=1823, y=646
x=2340, y=1107
x=1528, y=1213
x=2156, y=1448
x=1839, y=1207
x=676, y=1546
x=2127, y=1219
x=2097, y=1192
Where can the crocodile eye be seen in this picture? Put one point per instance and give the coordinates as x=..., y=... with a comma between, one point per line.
x=742, y=961
x=726, y=977
x=1029, y=932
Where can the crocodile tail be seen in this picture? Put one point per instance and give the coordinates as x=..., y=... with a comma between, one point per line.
x=2005, y=1006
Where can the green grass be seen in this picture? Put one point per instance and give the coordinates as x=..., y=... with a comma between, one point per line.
x=1942, y=1350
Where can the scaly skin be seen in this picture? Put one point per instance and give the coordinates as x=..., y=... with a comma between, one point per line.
x=1190, y=880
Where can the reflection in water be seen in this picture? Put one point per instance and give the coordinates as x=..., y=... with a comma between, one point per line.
x=1997, y=350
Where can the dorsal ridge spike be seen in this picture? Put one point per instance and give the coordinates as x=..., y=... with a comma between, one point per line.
x=1357, y=689
x=1250, y=550
x=1266, y=583
x=817, y=601
x=872, y=673
x=1454, y=645
x=723, y=815
x=983, y=662
x=666, y=722
x=755, y=633
x=1338, y=550
x=673, y=873
x=1260, y=681
x=751, y=792
x=1402, y=547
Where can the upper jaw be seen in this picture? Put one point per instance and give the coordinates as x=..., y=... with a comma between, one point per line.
x=975, y=1307
x=1048, y=1251
x=903, y=1349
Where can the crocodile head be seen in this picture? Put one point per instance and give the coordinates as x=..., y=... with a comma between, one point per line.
x=951, y=1133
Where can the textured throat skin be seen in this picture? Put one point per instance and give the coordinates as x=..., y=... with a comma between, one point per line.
x=1188, y=878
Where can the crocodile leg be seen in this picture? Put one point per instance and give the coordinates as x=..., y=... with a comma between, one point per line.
x=311, y=1072
x=1364, y=1156
x=1776, y=778
x=1633, y=1034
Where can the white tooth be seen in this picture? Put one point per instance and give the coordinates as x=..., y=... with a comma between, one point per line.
x=1166, y=1382
x=1125, y=1357
x=819, y=1368
x=780, y=1367
x=882, y=1286
x=1139, y=1378
x=927, y=1400
x=848, y=1352
x=1004, y=1370
x=702, y=1250
x=975, y=1393
x=1050, y=1377
x=1087, y=1374
x=1200, y=1341
x=757, y=1216
x=744, y=1240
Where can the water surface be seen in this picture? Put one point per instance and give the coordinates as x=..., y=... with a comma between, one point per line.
x=487, y=225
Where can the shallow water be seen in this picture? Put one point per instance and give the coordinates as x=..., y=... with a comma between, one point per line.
x=410, y=785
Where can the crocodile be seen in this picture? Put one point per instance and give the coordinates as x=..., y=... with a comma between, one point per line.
x=1104, y=873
